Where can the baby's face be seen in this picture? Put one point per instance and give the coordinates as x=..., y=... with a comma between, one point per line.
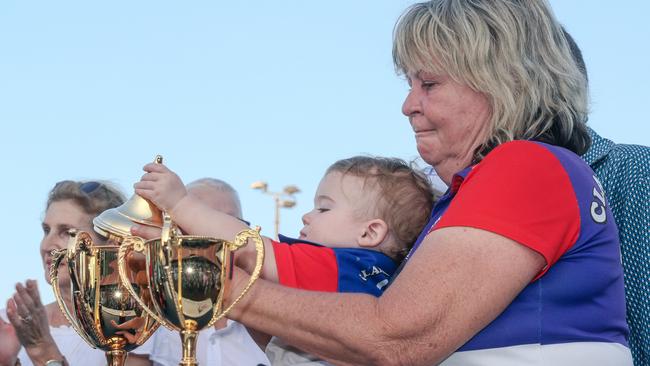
x=341, y=210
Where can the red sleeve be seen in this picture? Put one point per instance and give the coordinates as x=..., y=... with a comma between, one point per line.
x=520, y=191
x=306, y=266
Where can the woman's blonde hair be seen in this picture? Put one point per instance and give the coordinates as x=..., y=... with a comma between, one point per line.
x=512, y=51
x=94, y=197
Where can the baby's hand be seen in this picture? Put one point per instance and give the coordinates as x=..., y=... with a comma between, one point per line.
x=161, y=186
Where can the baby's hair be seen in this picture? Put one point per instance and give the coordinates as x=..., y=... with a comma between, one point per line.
x=404, y=197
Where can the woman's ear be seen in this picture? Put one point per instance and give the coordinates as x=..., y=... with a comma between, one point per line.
x=373, y=234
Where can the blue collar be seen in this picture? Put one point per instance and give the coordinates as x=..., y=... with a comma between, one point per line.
x=288, y=240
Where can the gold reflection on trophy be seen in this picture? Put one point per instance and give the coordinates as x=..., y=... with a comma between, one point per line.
x=186, y=278
x=103, y=312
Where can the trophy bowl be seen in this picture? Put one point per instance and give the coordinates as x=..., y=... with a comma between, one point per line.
x=103, y=312
x=186, y=278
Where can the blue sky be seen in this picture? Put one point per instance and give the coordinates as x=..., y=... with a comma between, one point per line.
x=241, y=91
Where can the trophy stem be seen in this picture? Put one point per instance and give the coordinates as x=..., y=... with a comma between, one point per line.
x=188, y=338
x=116, y=357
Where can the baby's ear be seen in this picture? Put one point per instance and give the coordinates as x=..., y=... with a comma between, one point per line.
x=374, y=233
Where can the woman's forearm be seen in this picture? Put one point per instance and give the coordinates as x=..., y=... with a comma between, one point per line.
x=330, y=332
x=429, y=311
x=43, y=352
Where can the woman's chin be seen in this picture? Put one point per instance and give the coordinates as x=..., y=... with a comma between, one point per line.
x=64, y=281
x=428, y=154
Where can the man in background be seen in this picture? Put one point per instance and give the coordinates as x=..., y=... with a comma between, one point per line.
x=227, y=343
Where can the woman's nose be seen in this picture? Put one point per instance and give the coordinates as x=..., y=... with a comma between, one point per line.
x=52, y=241
x=410, y=106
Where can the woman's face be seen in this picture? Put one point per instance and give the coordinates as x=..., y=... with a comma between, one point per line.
x=60, y=217
x=449, y=120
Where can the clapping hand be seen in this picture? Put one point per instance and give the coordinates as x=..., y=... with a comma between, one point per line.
x=9, y=344
x=29, y=319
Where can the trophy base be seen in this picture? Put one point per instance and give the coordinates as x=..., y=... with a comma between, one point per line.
x=188, y=339
x=116, y=357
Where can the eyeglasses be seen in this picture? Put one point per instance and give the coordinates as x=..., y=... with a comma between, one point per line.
x=89, y=187
x=92, y=196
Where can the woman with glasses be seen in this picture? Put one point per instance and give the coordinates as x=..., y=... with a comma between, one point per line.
x=37, y=334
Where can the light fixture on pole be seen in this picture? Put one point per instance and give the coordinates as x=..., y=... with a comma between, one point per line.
x=283, y=199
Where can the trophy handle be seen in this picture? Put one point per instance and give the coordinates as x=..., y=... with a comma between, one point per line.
x=57, y=257
x=169, y=230
x=137, y=244
x=241, y=240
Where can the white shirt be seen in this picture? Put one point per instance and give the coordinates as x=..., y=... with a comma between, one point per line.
x=230, y=346
x=75, y=349
x=283, y=354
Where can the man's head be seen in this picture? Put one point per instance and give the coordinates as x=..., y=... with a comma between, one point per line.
x=217, y=194
x=576, y=54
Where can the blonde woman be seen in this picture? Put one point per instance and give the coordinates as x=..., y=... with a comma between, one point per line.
x=519, y=263
x=38, y=334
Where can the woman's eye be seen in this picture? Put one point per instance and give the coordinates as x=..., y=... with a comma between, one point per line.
x=64, y=232
x=428, y=84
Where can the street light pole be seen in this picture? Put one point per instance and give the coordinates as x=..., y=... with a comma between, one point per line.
x=276, y=225
x=281, y=199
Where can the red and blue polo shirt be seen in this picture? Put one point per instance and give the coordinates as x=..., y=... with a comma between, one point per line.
x=547, y=199
x=311, y=266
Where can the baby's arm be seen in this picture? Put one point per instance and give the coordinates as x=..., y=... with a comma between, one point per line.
x=165, y=189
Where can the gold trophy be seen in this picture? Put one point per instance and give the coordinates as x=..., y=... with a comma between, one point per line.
x=186, y=278
x=103, y=312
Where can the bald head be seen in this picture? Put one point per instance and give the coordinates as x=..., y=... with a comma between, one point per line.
x=217, y=194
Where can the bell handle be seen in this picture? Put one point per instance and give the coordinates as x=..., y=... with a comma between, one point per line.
x=167, y=230
x=169, y=239
x=57, y=257
x=130, y=244
x=240, y=240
